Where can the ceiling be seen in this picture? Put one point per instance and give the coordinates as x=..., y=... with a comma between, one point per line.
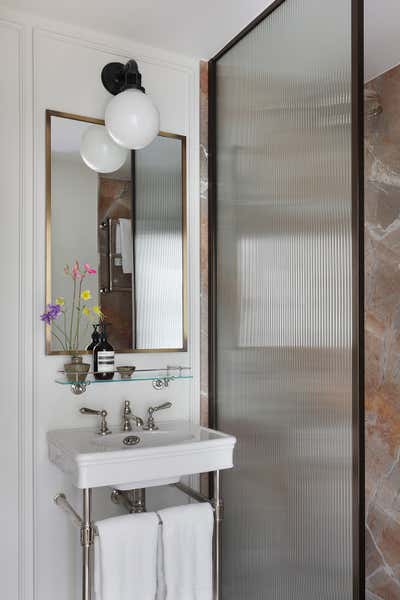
x=382, y=36
x=200, y=28
x=191, y=27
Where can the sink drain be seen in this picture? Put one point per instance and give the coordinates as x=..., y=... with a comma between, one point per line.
x=131, y=440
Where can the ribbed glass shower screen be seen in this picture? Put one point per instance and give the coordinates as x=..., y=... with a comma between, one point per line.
x=284, y=303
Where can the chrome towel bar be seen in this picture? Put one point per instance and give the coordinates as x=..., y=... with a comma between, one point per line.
x=88, y=530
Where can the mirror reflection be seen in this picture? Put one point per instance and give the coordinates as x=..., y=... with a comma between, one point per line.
x=129, y=224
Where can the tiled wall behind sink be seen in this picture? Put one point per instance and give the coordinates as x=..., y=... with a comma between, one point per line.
x=382, y=373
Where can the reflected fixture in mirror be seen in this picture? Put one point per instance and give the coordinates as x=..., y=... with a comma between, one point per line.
x=130, y=225
x=99, y=152
x=131, y=118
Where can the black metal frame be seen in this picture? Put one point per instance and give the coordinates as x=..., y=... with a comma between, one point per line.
x=357, y=31
x=134, y=307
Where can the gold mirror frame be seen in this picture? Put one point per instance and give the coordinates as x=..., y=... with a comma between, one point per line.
x=48, y=292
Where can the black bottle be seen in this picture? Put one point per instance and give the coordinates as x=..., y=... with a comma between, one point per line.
x=95, y=338
x=103, y=357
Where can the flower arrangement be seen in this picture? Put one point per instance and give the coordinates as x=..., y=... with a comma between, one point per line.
x=66, y=322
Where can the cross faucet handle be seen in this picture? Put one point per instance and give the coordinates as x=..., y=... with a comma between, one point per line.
x=103, y=430
x=151, y=426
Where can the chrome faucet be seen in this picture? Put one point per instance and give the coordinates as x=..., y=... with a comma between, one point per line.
x=127, y=417
x=151, y=426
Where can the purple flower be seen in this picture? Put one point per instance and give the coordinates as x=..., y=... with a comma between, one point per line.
x=53, y=310
x=46, y=318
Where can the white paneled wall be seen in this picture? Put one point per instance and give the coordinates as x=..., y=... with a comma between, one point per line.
x=47, y=65
x=11, y=205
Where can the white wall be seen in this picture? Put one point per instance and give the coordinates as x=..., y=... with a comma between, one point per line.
x=74, y=191
x=47, y=65
x=10, y=274
x=382, y=40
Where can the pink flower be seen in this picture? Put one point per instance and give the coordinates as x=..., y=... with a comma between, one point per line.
x=89, y=269
x=75, y=272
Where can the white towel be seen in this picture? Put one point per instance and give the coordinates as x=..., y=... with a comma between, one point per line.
x=126, y=557
x=161, y=589
x=187, y=551
x=124, y=244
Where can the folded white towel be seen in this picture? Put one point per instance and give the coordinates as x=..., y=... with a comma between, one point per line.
x=187, y=551
x=124, y=244
x=125, y=557
x=161, y=589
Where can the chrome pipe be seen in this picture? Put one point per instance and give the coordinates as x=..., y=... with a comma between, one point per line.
x=191, y=492
x=87, y=535
x=63, y=503
x=218, y=516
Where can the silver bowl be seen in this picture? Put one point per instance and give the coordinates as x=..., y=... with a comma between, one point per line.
x=126, y=372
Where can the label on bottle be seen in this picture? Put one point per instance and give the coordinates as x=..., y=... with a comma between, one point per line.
x=105, y=361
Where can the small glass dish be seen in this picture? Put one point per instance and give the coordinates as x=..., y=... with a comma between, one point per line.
x=126, y=372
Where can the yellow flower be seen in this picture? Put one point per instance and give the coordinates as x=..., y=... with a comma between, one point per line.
x=97, y=311
x=60, y=301
x=86, y=295
x=86, y=311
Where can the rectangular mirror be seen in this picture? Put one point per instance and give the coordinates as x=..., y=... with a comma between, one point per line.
x=130, y=225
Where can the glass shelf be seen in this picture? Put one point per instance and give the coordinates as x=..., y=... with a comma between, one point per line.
x=117, y=379
x=160, y=378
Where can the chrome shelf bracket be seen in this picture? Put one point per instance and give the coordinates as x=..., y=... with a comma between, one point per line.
x=79, y=388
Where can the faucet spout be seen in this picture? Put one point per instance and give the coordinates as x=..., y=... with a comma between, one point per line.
x=138, y=421
x=128, y=416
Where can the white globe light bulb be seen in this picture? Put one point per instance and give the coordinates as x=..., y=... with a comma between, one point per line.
x=132, y=119
x=99, y=152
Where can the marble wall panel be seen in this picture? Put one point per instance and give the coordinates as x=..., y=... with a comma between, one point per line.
x=382, y=331
x=204, y=242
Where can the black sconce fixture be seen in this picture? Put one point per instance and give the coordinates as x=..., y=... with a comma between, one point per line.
x=132, y=121
x=117, y=77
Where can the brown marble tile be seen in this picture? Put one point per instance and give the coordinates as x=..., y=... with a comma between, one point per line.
x=372, y=558
x=382, y=332
x=383, y=586
x=115, y=201
x=204, y=413
x=204, y=242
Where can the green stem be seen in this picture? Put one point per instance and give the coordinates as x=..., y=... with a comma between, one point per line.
x=72, y=314
x=78, y=323
x=78, y=319
x=85, y=331
x=61, y=342
x=67, y=340
x=61, y=332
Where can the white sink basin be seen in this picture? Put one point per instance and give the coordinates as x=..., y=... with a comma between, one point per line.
x=148, y=439
x=160, y=457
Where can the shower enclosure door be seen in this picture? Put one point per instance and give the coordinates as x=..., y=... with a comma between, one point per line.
x=285, y=355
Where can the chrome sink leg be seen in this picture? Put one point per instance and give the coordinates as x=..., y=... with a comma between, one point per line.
x=87, y=538
x=218, y=516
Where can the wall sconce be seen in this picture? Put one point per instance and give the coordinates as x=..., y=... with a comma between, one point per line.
x=131, y=118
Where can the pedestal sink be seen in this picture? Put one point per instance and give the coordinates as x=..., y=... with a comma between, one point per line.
x=159, y=457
